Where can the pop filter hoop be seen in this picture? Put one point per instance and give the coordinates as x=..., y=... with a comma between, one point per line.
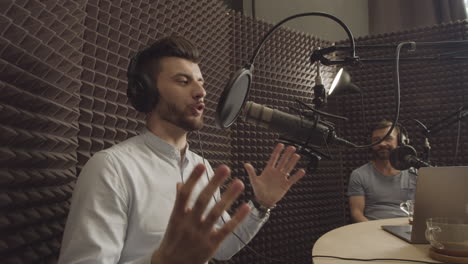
x=233, y=98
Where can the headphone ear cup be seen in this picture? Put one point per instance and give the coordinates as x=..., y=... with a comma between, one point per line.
x=141, y=90
x=141, y=93
x=403, y=138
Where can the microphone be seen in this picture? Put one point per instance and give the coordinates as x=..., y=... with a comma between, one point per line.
x=404, y=157
x=292, y=128
x=320, y=94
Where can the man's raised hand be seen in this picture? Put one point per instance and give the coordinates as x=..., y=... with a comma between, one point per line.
x=190, y=237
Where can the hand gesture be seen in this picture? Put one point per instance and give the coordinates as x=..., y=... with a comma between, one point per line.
x=190, y=237
x=275, y=180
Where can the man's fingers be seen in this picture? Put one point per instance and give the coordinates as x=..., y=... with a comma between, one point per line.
x=229, y=196
x=284, y=160
x=251, y=172
x=292, y=162
x=236, y=219
x=221, y=173
x=297, y=176
x=184, y=191
x=275, y=155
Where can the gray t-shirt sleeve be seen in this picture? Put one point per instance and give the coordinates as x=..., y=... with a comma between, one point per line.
x=356, y=186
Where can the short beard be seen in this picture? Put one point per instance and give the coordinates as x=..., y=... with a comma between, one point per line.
x=376, y=155
x=190, y=125
x=172, y=115
x=380, y=156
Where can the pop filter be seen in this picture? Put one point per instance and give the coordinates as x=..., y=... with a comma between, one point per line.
x=233, y=97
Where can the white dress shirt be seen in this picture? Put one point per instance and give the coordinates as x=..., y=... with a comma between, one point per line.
x=124, y=197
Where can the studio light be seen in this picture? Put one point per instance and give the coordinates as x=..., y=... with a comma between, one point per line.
x=342, y=84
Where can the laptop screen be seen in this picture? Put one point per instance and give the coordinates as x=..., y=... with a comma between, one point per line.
x=440, y=192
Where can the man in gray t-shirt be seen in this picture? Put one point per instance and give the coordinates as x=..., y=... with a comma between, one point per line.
x=376, y=189
x=383, y=194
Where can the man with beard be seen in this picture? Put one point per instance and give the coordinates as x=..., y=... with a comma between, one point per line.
x=376, y=189
x=150, y=199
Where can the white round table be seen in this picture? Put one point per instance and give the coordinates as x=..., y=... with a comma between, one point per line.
x=367, y=240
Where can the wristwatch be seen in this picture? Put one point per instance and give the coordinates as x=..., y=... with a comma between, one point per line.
x=263, y=211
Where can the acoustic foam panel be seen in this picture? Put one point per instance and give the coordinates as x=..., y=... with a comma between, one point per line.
x=40, y=61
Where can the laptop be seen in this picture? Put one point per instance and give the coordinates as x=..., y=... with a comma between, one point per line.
x=440, y=192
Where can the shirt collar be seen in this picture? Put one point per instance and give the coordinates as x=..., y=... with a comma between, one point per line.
x=157, y=144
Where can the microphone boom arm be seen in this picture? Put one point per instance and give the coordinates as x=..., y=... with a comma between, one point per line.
x=461, y=113
x=460, y=53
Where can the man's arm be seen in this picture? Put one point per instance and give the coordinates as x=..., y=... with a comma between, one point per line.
x=97, y=221
x=356, y=206
x=357, y=198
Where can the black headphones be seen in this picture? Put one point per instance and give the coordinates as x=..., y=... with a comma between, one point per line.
x=403, y=138
x=142, y=91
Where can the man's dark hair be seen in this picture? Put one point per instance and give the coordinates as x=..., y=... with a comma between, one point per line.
x=143, y=68
x=171, y=46
x=384, y=124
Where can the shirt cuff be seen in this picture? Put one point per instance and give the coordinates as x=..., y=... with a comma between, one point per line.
x=256, y=214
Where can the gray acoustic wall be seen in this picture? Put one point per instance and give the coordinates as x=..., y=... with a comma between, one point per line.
x=41, y=65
